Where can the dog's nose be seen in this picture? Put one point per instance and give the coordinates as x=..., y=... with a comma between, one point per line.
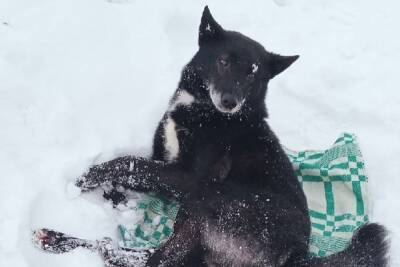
x=228, y=101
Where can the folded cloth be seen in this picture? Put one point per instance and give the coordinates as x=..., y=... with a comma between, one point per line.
x=153, y=224
x=334, y=182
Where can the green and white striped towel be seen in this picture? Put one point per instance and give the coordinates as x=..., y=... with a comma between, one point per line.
x=333, y=180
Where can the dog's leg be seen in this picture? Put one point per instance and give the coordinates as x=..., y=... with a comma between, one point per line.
x=180, y=248
x=56, y=242
x=139, y=174
x=113, y=256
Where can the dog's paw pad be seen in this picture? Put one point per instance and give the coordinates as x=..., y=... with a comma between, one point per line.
x=41, y=239
x=54, y=242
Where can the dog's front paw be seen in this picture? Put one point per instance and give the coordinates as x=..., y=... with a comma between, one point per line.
x=87, y=183
x=93, y=179
x=84, y=183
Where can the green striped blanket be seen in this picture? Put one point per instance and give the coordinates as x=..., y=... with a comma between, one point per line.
x=333, y=180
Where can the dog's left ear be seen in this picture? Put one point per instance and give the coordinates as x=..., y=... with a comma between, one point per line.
x=280, y=63
x=209, y=29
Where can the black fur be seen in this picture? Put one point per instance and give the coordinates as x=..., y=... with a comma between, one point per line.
x=242, y=204
x=368, y=247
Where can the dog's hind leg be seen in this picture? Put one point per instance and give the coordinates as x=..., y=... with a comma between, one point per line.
x=113, y=256
x=182, y=249
x=56, y=242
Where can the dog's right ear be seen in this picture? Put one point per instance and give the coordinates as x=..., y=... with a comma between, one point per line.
x=280, y=63
x=209, y=29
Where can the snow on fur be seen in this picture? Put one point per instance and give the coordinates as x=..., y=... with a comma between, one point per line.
x=68, y=98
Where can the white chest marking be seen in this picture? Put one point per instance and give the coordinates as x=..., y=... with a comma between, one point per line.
x=171, y=141
x=182, y=98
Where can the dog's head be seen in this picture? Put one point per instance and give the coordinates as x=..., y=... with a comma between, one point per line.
x=235, y=68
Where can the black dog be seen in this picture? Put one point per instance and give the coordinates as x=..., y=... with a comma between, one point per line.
x=242, y=204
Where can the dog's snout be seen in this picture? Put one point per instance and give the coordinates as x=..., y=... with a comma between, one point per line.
x=228, y=101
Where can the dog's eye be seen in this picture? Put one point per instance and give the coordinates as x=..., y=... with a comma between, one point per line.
x=223, y=62
x=250, y=74
x=251, y=71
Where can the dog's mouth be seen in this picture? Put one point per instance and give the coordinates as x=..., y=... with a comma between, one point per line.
x=225, y=102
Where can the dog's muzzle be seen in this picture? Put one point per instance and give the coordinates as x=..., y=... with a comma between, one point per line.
x=225, y=102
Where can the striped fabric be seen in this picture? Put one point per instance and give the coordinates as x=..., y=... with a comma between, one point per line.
x=333, y=180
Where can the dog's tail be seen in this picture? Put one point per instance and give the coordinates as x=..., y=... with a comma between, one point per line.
x=368, y=248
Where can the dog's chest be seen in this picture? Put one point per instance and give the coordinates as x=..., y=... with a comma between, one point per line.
x=170, y=128
x=171, y=141
x=189, y=127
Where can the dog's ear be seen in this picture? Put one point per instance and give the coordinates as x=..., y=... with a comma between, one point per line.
x=209, y=29
x=280, y=63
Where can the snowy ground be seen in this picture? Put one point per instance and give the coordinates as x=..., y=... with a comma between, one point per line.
x=77, y=87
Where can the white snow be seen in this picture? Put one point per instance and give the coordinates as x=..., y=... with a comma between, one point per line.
x=85, y=81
